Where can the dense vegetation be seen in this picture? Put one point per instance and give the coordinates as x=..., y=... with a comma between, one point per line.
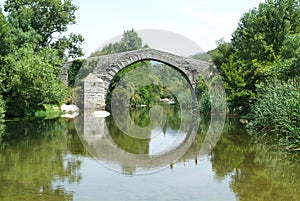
x=261, y=41
x=31, y=54
x=277, y=112
x=260, y=66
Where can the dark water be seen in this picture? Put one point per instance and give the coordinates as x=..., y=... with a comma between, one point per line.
x=66, y=160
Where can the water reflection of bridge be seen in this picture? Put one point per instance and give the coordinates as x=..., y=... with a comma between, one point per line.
x=96, y=137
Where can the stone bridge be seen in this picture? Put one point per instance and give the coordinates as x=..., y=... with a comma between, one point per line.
x=94, y=80
x=102, y=70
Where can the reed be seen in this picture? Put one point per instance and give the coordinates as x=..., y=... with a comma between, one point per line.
x=276, y=112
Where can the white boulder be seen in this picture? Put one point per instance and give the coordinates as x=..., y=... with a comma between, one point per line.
x=101, y=114
x=69, y=109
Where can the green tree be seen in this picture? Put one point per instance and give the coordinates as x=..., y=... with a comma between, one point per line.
x=30, y=81
x=5, y=39
x=31, y=55
x=37, y=22
x=256, y=45
x=288, y=66
x=262, y=31
x=130, y=41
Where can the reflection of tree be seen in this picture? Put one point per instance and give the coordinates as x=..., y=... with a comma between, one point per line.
x=124, y=141
x=231, y=152
x=257, y=172
x=2, y=129
x=141, y=118
x=173, y=118
x=272, y=175
x=193, y=151
x=34, y=155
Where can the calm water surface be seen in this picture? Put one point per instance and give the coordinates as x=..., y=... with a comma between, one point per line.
x=65, y=160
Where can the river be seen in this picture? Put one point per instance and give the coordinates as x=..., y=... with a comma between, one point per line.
x=58, y=160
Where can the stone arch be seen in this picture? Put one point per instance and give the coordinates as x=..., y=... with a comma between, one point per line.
x=106, y=67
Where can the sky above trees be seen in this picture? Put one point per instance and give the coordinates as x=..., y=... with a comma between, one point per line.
x=202, y=21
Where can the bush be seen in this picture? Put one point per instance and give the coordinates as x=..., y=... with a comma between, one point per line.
x=277, y=112
x=30, y=81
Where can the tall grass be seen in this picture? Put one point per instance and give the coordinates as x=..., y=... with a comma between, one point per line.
x=276, y=112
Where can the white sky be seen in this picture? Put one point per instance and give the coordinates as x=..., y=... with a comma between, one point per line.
x=202, y=21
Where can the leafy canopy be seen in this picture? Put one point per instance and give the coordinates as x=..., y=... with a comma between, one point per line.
x=260, y=41
x=33, y=48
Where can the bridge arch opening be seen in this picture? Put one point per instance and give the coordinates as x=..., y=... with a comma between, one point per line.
x=161, y=77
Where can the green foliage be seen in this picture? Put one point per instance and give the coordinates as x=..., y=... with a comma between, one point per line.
x=277, y=112
x=163, y=82
x=30, y=55
x=73, y=71
x=46, y=17
x=48, y=112
x=288, y=66
x=221, y=54
x=36, y=22
x=260, y=68
x=69, y=47
x=5, y=38
x=260, y=41
x=2, y=108
x=203, y=96
x=143, y=95
x=204, y=103
x=261, y=31
x=234, y=83
x=130, y=41
x=30, y=81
